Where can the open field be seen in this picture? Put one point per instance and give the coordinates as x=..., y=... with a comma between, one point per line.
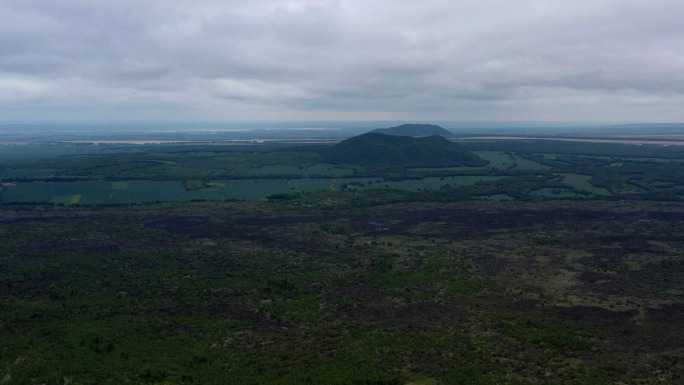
x=136, y=191
x=581, y=182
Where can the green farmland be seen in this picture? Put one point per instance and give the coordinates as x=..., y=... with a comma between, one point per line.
x=524, y=171
x=135, y=191
x=582, y=182
x=317, y=169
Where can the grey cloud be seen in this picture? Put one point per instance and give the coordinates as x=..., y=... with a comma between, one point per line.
x=304, y=58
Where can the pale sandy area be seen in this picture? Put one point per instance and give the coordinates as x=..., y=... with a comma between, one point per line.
x=586, y=140
x=132, y=141
x=227, y=141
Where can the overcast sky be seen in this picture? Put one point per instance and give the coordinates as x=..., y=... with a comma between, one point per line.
x=468, y=60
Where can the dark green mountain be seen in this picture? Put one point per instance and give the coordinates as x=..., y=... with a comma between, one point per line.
x=414, y=130
x=380, y=150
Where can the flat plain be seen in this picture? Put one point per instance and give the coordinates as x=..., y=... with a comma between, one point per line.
x=553, y=264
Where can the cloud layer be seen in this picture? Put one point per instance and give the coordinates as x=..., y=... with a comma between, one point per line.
x=598, y=60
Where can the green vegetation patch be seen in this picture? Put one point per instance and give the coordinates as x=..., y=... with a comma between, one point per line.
x=121, y=185
x=559, y=193
x=507, y=160
x=436, y=274
x=136, y=191
x=547, y=334
x=581, y=182
x=194, y=184
x=495, y=197
x=319, y=169
x=253, y=293
x=23, y=173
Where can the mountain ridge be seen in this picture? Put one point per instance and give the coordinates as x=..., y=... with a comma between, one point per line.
x=414, y=130
x=381, y=150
